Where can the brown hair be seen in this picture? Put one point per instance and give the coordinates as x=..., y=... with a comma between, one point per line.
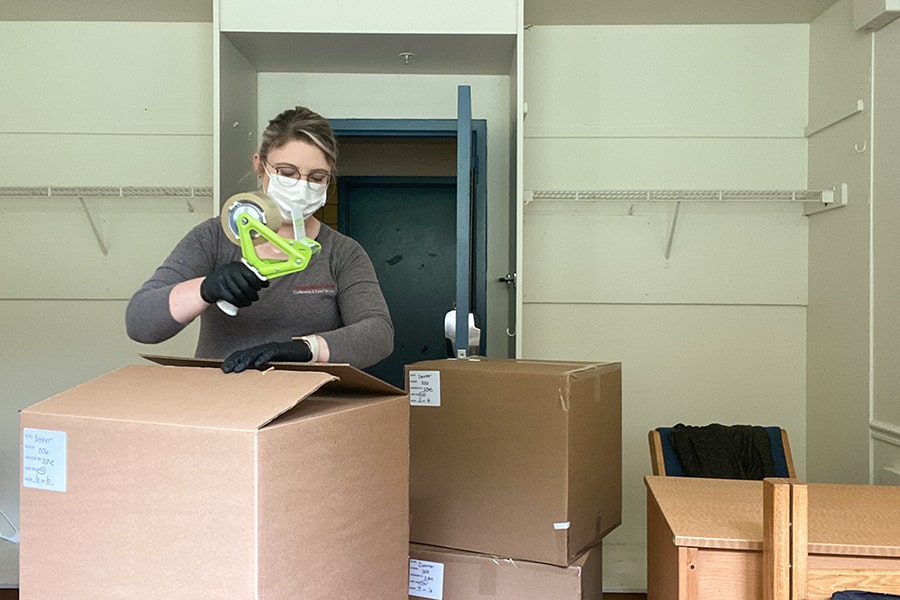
x=303, y=124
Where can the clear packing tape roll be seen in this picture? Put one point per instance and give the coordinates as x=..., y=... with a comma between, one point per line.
x=257, y=204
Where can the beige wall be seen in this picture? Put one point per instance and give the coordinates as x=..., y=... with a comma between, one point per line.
x=853, y=351
x=84, y=105
x=885, y=143
x=838, y=319
x=463, y=16
x=886, y=223
x=715, y=332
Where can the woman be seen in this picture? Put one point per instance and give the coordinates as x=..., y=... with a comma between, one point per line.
x=333, y=311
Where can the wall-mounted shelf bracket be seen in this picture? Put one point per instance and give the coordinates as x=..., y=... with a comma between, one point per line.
x=104, y=248
x=835, y=197
x=672, y=230
x=835, y=119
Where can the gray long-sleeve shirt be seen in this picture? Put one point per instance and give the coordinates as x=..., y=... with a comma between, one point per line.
x=337, y=297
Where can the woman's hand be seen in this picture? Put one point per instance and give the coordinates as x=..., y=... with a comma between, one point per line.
x=234, y=283
x=258, y=356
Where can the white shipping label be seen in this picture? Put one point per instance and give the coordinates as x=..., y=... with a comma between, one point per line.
x=424, y=388
x=426, y=579
x=44, y=459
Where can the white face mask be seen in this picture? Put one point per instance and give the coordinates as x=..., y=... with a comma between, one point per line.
x=297, y=201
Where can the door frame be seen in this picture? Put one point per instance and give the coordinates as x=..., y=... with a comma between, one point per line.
x=443, y=128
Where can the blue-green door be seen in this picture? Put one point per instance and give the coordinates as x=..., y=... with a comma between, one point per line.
x=408, y=227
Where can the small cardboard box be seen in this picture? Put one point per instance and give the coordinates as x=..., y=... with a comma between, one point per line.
x=515, y=458
x=184, y=482
x=441, y=574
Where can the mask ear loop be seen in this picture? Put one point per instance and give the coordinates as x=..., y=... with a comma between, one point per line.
x=14, y=538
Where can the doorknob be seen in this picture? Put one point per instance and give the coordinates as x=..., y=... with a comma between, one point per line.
x=509, y=279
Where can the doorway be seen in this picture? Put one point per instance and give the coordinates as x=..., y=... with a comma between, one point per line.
x=396, y=195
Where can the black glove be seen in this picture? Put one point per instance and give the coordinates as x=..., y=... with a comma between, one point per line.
x=258, y=356
x=234, y=283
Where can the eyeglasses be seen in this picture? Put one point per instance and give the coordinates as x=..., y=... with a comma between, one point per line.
x=289, y=175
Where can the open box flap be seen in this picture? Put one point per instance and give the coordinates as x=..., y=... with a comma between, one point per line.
x=350, y=379
x=191, y=396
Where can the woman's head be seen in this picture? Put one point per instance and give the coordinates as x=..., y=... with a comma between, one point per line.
x=300, y=124
x=296, y=162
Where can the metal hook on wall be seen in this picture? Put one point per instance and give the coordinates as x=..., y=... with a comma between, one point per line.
x=858, y=149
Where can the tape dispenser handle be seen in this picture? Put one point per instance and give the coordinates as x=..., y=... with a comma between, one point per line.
x=227, y=307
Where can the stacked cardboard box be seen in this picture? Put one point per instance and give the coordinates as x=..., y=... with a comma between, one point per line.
x=184, y=482
x=440, y=573
x=517, y=460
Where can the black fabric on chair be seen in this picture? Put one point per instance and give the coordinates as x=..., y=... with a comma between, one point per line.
x=723, y=451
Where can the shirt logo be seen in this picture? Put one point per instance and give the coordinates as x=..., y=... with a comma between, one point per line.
x=310, y=290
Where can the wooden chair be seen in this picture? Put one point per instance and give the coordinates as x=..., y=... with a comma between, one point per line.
x=786, y=567
x=664, y=459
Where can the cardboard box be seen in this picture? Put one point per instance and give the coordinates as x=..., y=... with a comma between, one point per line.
x=515, y=458
x=441, y=574
x=184, y=482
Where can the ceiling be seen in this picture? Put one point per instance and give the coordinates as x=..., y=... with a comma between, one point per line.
x=537, y=12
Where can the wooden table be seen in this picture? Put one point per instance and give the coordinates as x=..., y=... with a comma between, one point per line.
x=705, y=537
